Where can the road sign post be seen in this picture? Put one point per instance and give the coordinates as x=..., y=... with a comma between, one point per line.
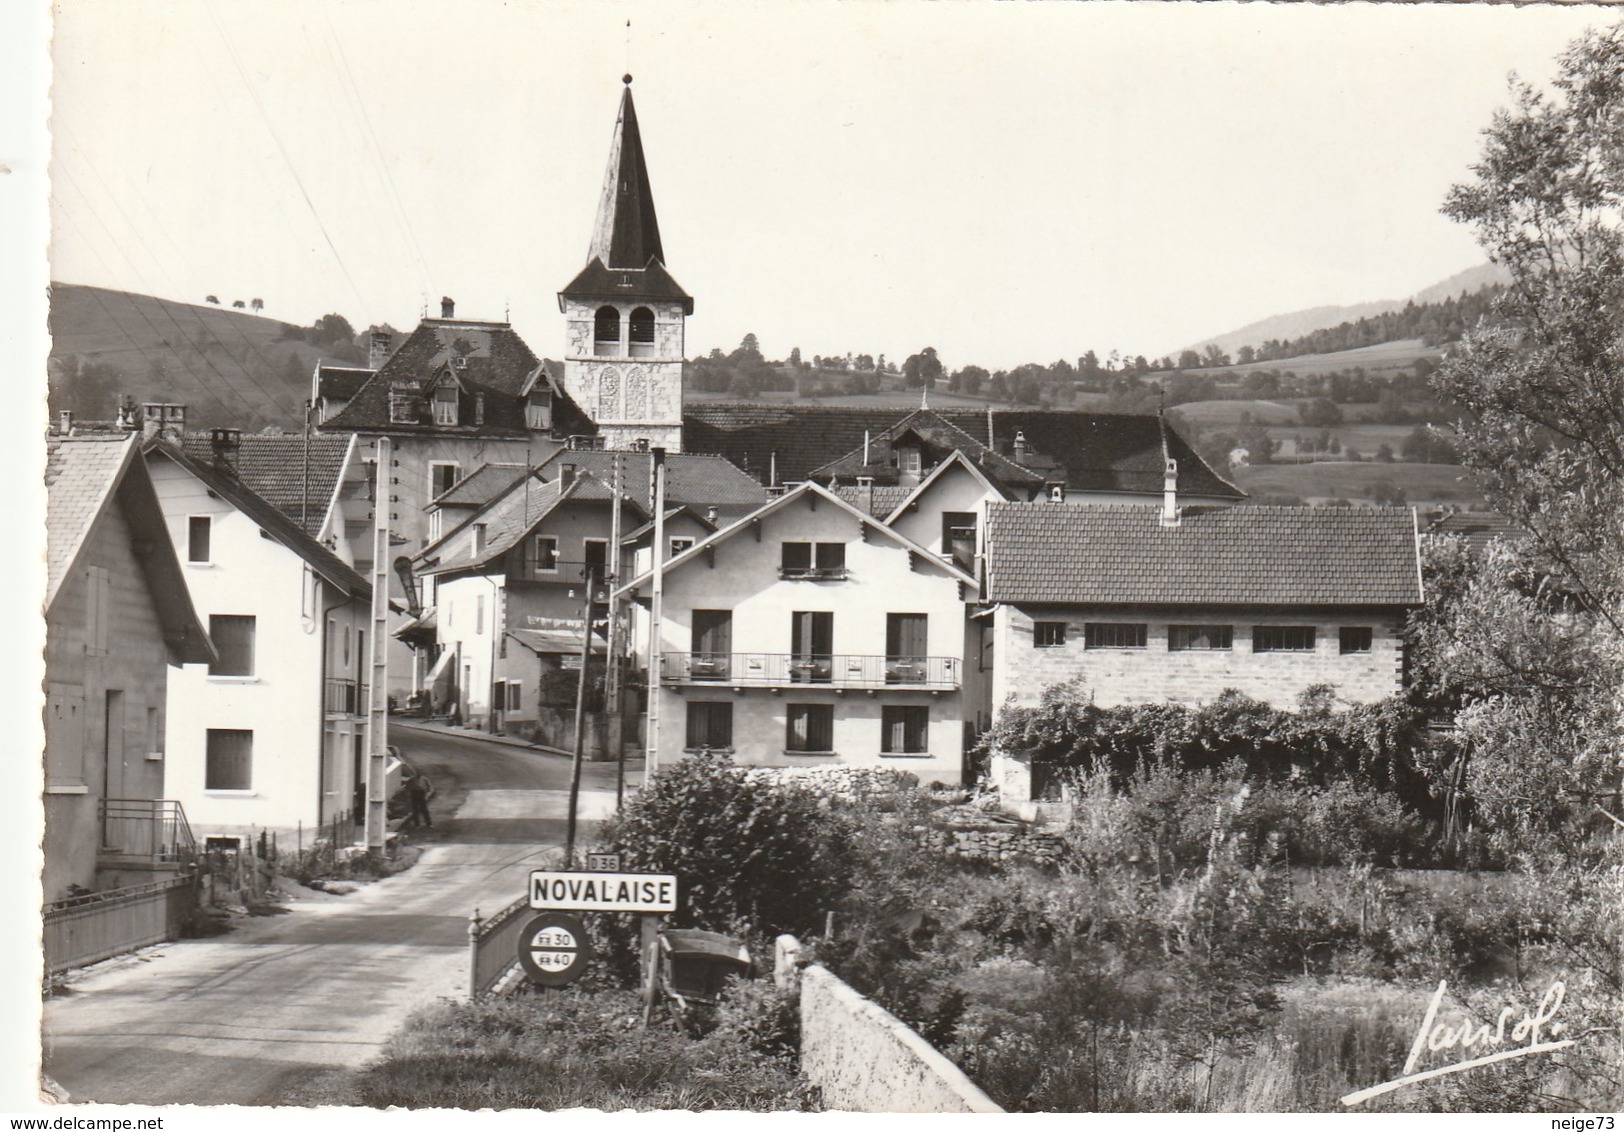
x=554, y=949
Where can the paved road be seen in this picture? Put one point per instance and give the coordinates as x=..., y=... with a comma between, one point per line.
x=234, y=1020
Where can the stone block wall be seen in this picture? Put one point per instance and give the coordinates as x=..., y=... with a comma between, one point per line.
x=977, y=836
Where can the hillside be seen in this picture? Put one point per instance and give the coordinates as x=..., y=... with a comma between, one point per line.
x=1299, y=323
x=228, y=367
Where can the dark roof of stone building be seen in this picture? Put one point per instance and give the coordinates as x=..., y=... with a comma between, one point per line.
x=486, y=358
x=1124, y=452
x=340, y=382
x=938, y=437
x=1122, y=554
x=697, y=480
x=276, y=468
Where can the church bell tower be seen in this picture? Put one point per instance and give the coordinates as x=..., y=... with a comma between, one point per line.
x=624, y=312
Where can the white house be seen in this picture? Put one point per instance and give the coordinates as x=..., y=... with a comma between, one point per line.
x=810, y=633
x=271, y=734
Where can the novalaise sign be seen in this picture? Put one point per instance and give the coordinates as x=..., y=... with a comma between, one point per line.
x=603, y=892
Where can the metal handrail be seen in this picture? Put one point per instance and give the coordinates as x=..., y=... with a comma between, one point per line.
x=838, y=670
x=148, y=829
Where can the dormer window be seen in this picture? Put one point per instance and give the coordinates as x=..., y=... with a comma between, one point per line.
x=445, y=405
x=606, y=332
x=538, y=410
x=909, y=461
x=402, y=410
x=641, y=333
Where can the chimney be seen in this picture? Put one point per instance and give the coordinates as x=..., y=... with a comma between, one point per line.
x=865, y=448
x=566, y=475
x=1020, y=447
x=224, y=443
x=64, y=422
x=710, y=515
x=1170, y=495
x=990, y=442
x=448, y=308
x=378, y=350
x=865, y=486
x=163, y=420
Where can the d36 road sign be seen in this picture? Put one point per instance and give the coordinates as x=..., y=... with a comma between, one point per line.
x=554, y=949
x=603, y=892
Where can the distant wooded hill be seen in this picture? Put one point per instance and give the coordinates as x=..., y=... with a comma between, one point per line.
x=229, y=367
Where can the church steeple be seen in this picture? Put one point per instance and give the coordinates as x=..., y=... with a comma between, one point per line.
x=627, y=233
x=625, y=313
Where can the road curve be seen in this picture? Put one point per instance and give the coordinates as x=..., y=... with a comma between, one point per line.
x=238, y=1018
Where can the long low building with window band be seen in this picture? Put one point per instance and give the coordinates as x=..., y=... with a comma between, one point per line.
x=1144, y=607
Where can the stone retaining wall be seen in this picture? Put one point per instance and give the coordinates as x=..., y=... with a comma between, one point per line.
x=975, y=836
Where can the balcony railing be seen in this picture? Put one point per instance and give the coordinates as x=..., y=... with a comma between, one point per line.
x=774, y=670
x=346, y=697
x=146, y=831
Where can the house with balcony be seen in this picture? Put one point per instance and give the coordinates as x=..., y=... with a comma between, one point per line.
x=270, y=733
x=811, y=633
x=118, y=625
x=513, y=589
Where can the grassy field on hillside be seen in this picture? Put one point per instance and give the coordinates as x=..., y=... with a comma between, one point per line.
x=1384, y=357
x=1316, y=483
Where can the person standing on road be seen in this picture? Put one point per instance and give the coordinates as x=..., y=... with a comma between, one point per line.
x=417, y=793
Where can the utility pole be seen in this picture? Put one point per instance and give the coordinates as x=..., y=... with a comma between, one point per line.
x=652, y=756
x=580, y=715
x=377, y=815
x=614, y=719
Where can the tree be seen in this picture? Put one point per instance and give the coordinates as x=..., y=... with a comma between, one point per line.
x=795, y=357
x=1543, y=377
x=922, y=369
x=1321, y=412
x=1385, y=493
x=256, y=305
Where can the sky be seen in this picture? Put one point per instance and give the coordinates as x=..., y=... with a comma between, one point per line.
x=1006, y=183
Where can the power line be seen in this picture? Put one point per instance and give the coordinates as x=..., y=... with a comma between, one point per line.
x=287, y=160
x=393, y=191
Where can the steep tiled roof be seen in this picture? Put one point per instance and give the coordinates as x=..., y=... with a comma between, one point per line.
x=939, y=437
x=1090, y=451
x=495, y=362
x=340, y=382
x=80, y=475
x=1122, y=554
x=508, y=519
x=481, y=485
x=699, y=481
x=272, y=520
x=274, y=468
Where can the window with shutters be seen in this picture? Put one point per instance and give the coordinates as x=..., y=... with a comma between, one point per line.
x=233, y=638
x=710, y=725
x=905, y=643
x=443, y=475
x=810, y=729
x=904, y=729
x=812, y=635
x=710, y=657
x=229, y=760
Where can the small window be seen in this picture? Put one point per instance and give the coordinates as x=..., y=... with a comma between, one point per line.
x=640, y=329
x=442, y=477
x=514, y=700
x=1198, y=638
x=538, y=411
x=445, y=405
x=1048, y=634
x=710, y=725
x=1283, y=638
x=228, y=760
x=678, y=545
x=594, y=560
x=813, y=560
x=909, y=461
x=904, y=730
x=233, y=639
x=1113, y=635
x=959, y=537
x=198, y=528
x=479, y=538
x=606, y=326
x=546, y=554
x=1355, y=638
x=810, y=729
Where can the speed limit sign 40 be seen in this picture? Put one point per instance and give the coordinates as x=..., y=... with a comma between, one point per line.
x=554, y=949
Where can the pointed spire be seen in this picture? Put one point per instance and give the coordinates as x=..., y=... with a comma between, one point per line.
x=627, y=234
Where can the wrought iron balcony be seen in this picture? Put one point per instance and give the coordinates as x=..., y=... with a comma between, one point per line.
x=150, y=832
x=346, y=697
x=786, y=670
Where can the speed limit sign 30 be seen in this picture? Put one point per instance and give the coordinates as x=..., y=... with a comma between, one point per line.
x=554, y=949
